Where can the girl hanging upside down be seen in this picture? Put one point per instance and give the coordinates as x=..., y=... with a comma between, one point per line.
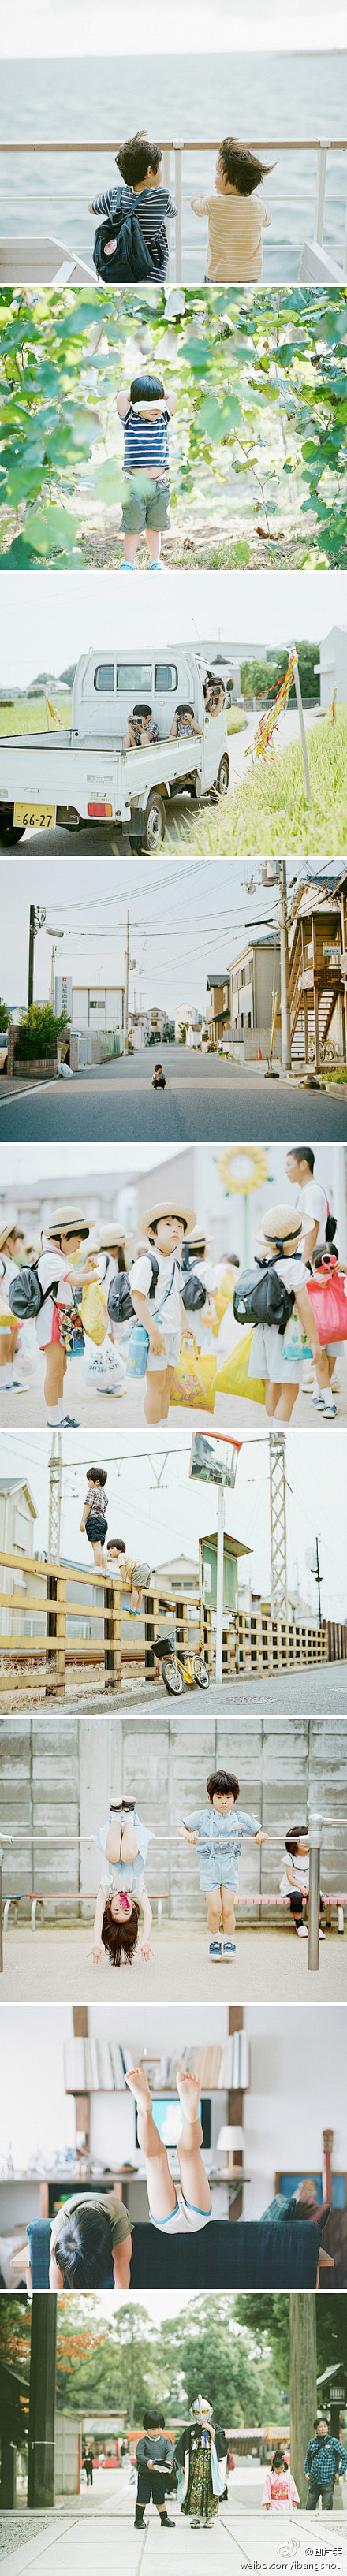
x=124, y=1842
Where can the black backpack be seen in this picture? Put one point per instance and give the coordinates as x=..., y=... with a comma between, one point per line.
x=119, y=1303
x=260, y=1297
x=193, y=1294
x=25, y=1295
x=133, y=257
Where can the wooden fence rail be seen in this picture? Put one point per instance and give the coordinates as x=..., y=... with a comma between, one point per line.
x=252, y=1643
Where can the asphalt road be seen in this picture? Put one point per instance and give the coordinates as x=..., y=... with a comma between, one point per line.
x=207, y=1099
x=318, y=1691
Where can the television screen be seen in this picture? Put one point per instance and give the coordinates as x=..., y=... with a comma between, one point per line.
x=168, y=2119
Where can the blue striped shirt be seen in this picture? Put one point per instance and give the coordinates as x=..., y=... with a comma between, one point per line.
x=151, y=208
x=145, y=441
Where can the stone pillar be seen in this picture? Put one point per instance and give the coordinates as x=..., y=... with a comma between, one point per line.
x=303, y=2381
x=42, y=2399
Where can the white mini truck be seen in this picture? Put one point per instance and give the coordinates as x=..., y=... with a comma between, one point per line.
x=81, y=775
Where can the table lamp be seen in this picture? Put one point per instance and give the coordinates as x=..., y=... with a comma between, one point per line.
x=231, y=2140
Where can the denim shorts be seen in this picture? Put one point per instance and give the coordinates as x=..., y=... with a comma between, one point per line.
x=146, y=503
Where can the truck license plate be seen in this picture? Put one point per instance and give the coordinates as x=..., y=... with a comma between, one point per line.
x=37, y=818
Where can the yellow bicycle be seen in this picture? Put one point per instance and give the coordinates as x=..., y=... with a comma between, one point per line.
x=180, y=1670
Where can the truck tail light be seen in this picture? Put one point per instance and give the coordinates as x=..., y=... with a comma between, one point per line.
x=101, y=810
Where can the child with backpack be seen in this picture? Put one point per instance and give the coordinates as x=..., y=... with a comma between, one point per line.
x=155, y=1341
x=132, y=240
x=48, y=1290
x=236, y=216
x=219, y=1832
x=146, y=411
x=286, y=1329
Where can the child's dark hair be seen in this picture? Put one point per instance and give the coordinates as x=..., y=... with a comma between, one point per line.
x=120, y=1938
x=141, y=709
x=297, y=1834
x=135, y=157
x=97, y=1475
x=83, y=2248
x=240, y=167
x=116, y=1542
x=158, y=1066
x=302, y=1154
x=152, y=2415
x=279, y=2460
x=222, y=1784
x=146, y=389
x=185, y=709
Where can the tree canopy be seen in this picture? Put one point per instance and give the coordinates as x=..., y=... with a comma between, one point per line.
x=261, y=379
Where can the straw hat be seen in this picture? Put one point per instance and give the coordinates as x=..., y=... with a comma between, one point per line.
x=110, y=1234
x=9, y=1226
x=197, y=1236
x=165, y=1207
x=66, y=1220
x=280, y=1225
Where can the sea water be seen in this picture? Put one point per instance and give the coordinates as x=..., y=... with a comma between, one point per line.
x=255, y=96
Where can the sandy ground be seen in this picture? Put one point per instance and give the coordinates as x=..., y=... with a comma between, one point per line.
x=52, y=1964
x=126, y=1411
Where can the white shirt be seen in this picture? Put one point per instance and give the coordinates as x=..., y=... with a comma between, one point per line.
x=52, y=1266
x=299, y=1862
x=313, y=1203
x=140, y=1278
x=294, y=1271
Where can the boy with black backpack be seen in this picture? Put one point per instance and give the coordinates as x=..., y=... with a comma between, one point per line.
x=274, y=1298
x=49, y=1290
x=155, y=1342
x=132, y=240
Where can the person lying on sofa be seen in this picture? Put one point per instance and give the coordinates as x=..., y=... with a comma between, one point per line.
x=302, y=2204
x=91, y=2232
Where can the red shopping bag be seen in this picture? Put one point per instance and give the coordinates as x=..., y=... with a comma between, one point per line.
x=326, y=1292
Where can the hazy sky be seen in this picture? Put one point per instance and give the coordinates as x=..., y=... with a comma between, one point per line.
x=57, y=27
x=170, y=1517
x=186, y=919
x=49, y=620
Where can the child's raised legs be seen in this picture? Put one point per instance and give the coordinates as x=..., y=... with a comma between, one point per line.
x=195, y=2184
x=121, y=1840
x=162, y=2194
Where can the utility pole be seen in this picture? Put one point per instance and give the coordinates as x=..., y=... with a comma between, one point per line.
x=285, y=1003
x=54, y=1499
x=303, y=2381
x=126, y=993
x=319, y=1582
x=278, y=1530
x=36, y=922
x=42, y=2401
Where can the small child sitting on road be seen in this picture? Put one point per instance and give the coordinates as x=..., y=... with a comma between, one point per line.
x=236, y=215
x=132, y=1569
x=140, y=166
x=124, y=1842
x=219, y=1835
x=146, y=411
x=158, y=1080
x=93, y=1516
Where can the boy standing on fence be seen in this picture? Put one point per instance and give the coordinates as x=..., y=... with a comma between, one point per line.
x=218, y=1833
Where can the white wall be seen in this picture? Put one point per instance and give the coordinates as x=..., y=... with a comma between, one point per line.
x=35, y=2112
x=298, y=2088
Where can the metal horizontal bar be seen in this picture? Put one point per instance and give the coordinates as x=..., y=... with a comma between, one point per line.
x=335, y=143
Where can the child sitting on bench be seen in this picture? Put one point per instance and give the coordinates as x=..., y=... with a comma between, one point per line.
x=124, y=1841
x=219, y=1834
x=294, y=1881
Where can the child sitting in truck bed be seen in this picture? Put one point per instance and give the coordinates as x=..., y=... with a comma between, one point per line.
x=141, y=729
x=146, y=411
x=236, y=215
x=184, y=723
x=140, y=166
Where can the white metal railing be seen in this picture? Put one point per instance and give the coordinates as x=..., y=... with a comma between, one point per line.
x=173, y=153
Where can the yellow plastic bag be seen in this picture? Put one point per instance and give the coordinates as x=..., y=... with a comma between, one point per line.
x=93, y=1310
x=223, y=1297
x=195, y=1378
x=233, y=1379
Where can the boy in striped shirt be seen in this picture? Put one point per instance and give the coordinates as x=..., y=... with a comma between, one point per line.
x=140, y=166
x=146, y=412
x=236, y=216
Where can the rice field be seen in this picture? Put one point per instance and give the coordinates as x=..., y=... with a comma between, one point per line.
x=30, y=715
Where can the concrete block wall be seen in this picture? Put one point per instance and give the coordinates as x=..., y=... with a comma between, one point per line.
x=57, y=1776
